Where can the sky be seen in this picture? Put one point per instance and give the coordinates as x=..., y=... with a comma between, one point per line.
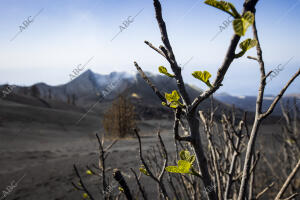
x=61, y=34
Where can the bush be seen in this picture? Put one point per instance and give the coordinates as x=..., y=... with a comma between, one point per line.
x=120, y=119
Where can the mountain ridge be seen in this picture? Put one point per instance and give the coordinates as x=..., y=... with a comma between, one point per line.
x=87, y=88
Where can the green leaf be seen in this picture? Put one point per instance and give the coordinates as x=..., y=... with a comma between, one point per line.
x=175, y=95
x=183, y=167
x=172, y=100
x=121, y=189
x=173, y=169
x=174, y=104
x=85, y=195
x=89, y=172
x=224, y=6
x=192, y=159
x=184, y=155
x=240, y=25
x=144, y=171
x=172, y=97
x=203, y=76
x=245, y=46
x=164, y=71
x=290, y=141
x=248, y=44
x=249, y=17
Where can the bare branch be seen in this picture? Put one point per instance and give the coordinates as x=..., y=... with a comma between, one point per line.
x=252, y=58
x=213, y=151
x=269, y=73
x=203, y=96
x=264, y=191
x=165, y=156
x=288, y=181
x=258, y=113
x=155, y=90
x=102, y=161
x=163, y=28
x=142, y=158
x=120, y=179
x=169, y=53
x=159, y=181
x=175, y=127
x=278, y=97
x=292, y=196
x=165, y=51
x=155, y=49
x=82, y=183
x=170, y=180
x=139, y=184
x=111, y=145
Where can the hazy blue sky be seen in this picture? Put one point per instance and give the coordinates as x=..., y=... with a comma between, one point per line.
x=69, y=32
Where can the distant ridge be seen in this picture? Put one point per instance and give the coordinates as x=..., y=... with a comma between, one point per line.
x=85, y=91
x=248, y=103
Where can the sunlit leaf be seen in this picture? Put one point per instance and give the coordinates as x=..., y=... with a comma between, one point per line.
x=89, y=172
x=144, y=171
x=173, y=97
x=121, y=189
x=224, y=6
x=183, y=167
x=184, y=155
x=248, y=44
x=240, y=25
x=290, y=141
x=174, y=104
x=164, y=71
x=203, y=76
x=85, y=195
x=245, y=46
x=249, y=17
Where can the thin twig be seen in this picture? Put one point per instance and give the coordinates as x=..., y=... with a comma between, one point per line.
x=155, y=49
x=139, y=184
x=278, y=97
x=264, y=191
x=288, y=181
x=82, y=183
x=155, y=90
x=159, y=181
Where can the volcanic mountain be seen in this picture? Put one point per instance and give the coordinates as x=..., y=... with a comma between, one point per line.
x=91, y=92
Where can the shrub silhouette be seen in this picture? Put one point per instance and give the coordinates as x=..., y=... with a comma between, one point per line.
x=120, y=119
